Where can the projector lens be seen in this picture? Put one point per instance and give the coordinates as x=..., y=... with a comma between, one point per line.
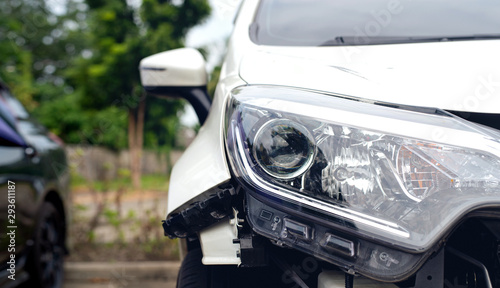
x=283, y=148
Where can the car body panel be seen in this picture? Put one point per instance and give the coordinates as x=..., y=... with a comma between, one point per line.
x=26, y=196
x=203, y=165
x=391, y=73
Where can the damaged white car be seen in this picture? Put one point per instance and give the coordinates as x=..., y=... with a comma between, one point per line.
x=349, y=144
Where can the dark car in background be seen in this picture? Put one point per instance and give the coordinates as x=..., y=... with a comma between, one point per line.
x=33, y=187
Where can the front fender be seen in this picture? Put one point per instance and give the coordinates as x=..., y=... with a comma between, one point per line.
x=203, y=166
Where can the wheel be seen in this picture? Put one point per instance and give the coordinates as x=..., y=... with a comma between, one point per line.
x=47, y=257
x=193, y=274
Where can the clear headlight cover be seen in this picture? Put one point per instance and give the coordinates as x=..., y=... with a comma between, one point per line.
x=401, y=176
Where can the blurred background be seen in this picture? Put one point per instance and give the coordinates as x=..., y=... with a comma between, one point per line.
x=73, y=64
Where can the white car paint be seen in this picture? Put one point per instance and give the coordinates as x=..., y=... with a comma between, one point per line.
x=186, y=67
x=391, y=73
x=203, y=165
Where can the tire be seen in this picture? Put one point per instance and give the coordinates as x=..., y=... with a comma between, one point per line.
x=46, y=262
x=193, y=274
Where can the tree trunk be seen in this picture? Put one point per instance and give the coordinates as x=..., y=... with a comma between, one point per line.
x=135, y=141
x=140, y=125
x=132, y=144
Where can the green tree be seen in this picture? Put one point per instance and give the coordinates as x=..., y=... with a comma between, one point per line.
x=36, y=46
x=76, y=70
x=120, y=37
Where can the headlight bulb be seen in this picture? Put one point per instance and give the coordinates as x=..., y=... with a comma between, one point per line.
x=283, y=148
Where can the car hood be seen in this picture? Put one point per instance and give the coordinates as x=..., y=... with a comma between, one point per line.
x=459, y=76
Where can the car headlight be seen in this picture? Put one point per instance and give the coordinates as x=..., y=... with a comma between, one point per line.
x=399, y=176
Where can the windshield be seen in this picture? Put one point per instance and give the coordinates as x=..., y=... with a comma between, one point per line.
x=341, y=22
x=12, y=105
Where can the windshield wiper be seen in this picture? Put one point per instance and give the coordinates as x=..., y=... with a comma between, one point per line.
x=365, y=40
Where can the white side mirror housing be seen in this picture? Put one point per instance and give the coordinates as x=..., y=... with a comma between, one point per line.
x=178, y=73
x=184, y=67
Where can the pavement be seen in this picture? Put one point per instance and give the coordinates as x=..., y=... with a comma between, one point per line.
x=120, y=275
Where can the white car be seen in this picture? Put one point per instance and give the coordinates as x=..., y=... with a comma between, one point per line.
x=347, y=142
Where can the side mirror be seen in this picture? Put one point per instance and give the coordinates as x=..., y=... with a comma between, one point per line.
x=178, y=73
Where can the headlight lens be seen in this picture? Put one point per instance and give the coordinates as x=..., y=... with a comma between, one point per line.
x=400, y=176
x=283, y=149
